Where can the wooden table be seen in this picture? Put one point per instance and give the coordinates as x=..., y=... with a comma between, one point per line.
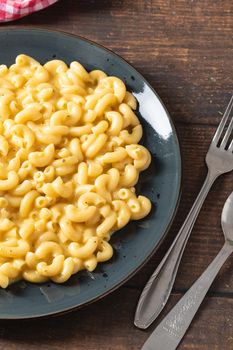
x=185, y=49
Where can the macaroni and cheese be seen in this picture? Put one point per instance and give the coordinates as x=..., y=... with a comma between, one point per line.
x=69, y=163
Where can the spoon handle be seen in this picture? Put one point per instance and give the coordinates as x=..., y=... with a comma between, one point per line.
x=158, y=289
x=171, y=330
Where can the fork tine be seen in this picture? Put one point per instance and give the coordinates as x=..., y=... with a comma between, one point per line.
x=223, y=122
x=227, y=134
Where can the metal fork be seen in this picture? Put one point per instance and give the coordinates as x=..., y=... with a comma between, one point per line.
x=219, y=160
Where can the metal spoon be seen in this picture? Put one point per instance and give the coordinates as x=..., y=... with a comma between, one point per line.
x=171, y=330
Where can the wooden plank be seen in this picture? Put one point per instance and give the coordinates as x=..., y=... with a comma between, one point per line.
x=108, y=324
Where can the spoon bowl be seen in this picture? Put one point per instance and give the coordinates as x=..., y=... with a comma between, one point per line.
x=227, y=219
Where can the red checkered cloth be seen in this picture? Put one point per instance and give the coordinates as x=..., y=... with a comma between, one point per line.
x=14, y=9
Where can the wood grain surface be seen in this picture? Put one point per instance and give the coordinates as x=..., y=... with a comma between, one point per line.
x=185, y=49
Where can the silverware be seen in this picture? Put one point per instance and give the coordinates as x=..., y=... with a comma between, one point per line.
x=171, y=330
x=219, y=160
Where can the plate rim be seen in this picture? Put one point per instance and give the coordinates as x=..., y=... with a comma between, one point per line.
x=165, y=232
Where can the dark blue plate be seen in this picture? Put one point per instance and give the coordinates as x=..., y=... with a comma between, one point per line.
x=161, y=182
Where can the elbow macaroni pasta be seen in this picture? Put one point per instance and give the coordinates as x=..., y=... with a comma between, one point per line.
x=69, y=161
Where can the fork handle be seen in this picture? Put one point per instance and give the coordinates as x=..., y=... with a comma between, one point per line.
x=158, y=289
x=173, y=327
